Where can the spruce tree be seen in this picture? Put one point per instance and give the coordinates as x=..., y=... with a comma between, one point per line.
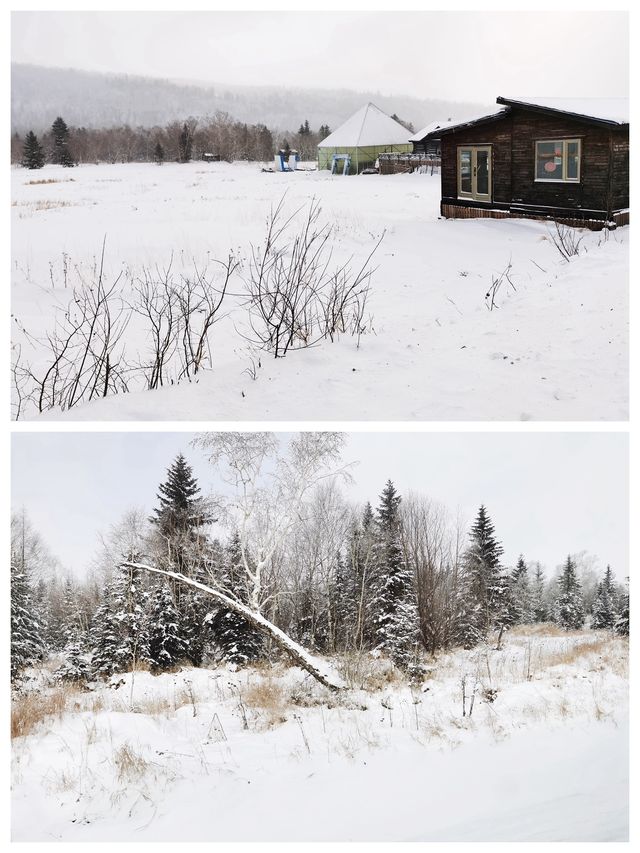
x=539, y=609
x=520, y=605
x=158, y=154
x=342, y=604
x=181, y=509
x=26, y=641
x=105, y=635
x=61, y=154
x=120, y=627
x=166, y=645
x=604, y=615
x=621, y=625
x=569, y=605
x=75, y=666
x=483, y=600
x=394, y=605
x=33, y=152
x=239, y=643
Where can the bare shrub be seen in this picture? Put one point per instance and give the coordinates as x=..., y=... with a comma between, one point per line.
x=295, y=298
x=567, y=240
x=496, y=285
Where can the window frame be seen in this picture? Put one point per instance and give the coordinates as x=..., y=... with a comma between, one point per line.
x=566, y=141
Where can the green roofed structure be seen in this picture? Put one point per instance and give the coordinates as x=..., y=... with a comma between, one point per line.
x=364, y=136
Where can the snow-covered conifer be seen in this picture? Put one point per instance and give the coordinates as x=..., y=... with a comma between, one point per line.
x=26, y=640
x=569, y=605
x=166, y=644
x=394, y=605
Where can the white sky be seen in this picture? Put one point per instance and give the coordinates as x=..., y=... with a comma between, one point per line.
x=549, y=494
x=461, y=56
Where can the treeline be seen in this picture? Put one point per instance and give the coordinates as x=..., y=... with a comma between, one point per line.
x=220, y=137
x=399, y=579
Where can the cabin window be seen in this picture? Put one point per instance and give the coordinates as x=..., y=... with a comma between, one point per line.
x=558, y=160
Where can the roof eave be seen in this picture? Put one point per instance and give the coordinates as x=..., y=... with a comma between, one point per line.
x=538, y=108
x=445, y=131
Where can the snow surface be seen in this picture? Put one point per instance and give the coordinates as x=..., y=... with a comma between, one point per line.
x=555, y=348
x=547, y=760
x=368, y=126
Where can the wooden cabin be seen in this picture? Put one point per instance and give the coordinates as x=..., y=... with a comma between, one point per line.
x=566, y=160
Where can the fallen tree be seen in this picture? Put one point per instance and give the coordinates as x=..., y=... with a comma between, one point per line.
x=297, y=653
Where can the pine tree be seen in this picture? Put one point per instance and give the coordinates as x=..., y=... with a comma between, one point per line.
x=539, y=609
x=61, y=154
x=185, y=144
x=521, y=611
x=394, y=605
x=166, y=645
x=26, y=641
x=342, y=604
x=33, y=152
x=604, y=615
x=569, y=606
x=483, y=599
x=158, y=154
x=238, y=641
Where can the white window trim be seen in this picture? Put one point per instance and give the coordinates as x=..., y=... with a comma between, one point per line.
x=565, y=161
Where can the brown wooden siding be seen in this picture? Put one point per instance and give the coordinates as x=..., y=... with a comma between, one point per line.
x=604, y=167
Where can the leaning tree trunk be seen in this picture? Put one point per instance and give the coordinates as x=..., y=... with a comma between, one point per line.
x=299, y=655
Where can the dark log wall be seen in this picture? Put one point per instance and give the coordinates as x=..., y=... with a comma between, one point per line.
x=620, y=179
x=604, y=168
x=498, y=135
x=593, y=190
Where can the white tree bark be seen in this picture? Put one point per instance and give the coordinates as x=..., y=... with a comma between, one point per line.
x=298, y=654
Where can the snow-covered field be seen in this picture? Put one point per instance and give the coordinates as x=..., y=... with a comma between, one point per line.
x=265, y=754
x=554, y=349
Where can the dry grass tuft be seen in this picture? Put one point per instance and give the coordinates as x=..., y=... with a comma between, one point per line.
x=130, y=766
x=48, y=181
x=539, y=629
x=574, y=652
x=29, y=710
x=269, y=697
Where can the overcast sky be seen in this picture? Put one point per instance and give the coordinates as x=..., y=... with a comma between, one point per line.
x=549, y=494
x=462, y=56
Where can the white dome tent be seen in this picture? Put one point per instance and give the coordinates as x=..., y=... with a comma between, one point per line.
x=364, y=136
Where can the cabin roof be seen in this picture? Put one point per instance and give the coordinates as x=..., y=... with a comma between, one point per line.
x=612, y=112
x=429, y=129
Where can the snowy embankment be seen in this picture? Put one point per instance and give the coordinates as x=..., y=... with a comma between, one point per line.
x=268, y=754
x=555, y=347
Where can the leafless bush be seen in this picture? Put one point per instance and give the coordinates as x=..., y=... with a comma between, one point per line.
x=496, y=285
x=85, y=350
x=567, y=240
x=295, y=296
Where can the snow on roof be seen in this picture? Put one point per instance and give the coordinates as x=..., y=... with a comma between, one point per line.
x=606, y=109
x=369, y=126
x=453, y=125
x=430, y=128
